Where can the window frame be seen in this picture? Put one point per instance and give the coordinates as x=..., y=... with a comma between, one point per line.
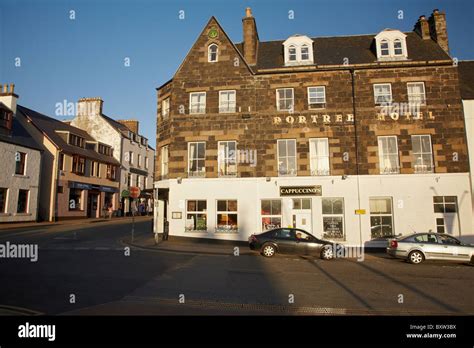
x=333, y=215
x=227, y=172
x=313, y=156
x=78, y=162
x=198, y=112
x=286, y=157
x=271, y=215
x=387, y=49
x=376, y=94
x=164, y=160
x=421, y=154
x=209, y=53
x=21, y=164
x=229, y=109
x=196, y=212
x=5, y=190
x=200, y=173
x=381, y=215
x=227, y=212
x=165, y=108
x=292, y=106
x=26, y=203
x=383, y=156
x=295, y=54
x=321, y=105
x=423, y=94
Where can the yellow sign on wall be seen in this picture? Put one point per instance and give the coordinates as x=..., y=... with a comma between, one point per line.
x=360, y=211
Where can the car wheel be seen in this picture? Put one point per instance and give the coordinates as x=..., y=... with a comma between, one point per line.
x=327, y=253
x=268, y=250
x=416, y=257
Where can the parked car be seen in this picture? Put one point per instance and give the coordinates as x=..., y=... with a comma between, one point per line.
x=419, y=247
x=291, y=241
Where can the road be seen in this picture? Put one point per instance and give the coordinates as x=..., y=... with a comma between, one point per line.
x=91, y=263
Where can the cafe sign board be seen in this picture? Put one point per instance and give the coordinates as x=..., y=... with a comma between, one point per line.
x=314, y=190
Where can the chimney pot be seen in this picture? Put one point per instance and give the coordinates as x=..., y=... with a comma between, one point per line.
x=250, y=36
x=248, y=12
x=12, y=88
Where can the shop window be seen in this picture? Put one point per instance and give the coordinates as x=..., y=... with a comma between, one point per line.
x=285, y=99
x=286, y=157
x=319, y=156
x=381, y=217
x=197, y=103
x=227, y=101
x=422, y=154
x=196, y=215
x=75, y=199
x=227, y=158
x=20, y=163
x=388, y=155
x=271, y=214
x=22, y=206
x=333, y=218
x=316, y=97
x=3, y=199
x=197, y=159
x=227, y=216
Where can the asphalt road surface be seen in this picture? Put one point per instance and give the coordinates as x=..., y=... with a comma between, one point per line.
x=85, y=269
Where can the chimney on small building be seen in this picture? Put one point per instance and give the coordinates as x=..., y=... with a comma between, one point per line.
x=8, y=96
x=438, y=31
x=131, y=124
x=89, y=107
x=250, y=37
x=422, y=28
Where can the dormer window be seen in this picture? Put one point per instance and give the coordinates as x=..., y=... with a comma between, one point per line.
x=292, y=53
x=391, y=45
x=298, y=50
x=212, y=53
x=304, y=52
x=397, y=47
x=384, y=50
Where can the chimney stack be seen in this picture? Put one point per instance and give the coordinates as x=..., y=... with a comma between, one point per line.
x=422, y=28
x=250, y=36
x=90, y=107
x=438, y=32
x=133, y=125
x=8, y=96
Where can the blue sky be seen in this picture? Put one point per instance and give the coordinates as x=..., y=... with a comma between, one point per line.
x=64, y=59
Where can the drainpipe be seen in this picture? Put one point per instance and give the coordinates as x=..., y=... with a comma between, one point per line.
x=352, y=71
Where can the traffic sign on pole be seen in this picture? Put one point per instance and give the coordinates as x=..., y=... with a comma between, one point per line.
x=135, y=192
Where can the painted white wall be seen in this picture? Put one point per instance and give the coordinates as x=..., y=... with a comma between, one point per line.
x=468, y=106
x=14, y=183
x=412, y=197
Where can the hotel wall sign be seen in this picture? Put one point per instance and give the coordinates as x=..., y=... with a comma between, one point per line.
x=315, y=190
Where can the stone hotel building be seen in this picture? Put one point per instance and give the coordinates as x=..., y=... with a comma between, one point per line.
x=350, y=137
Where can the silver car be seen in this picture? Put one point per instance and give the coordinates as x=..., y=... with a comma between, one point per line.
x=430, y=246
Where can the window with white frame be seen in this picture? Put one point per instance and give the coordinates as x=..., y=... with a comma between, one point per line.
x=292, y=53
x=197, y=103
x=298, y=50
x=316, y=97
x=227, y=101
x=333, y=218
x=388, y=155
x=416, y=93
x=164, y=161
x=196, y=216
x=165, y=108
x=319, y=156
x=384, y=48
x=227, y=216
x=212, y=53
x=397, y=47
x=196, y=159
x=422, y=153
x=271, y=214
x=304, y=52
x=285, y=99
x=227, y=158
x=383, y=93
x=381, y=217
x=146, y=162
x=286, y=157
x=139, y=160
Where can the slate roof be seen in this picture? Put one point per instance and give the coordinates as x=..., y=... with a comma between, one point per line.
x=19, y=135
x=466, y=79
x=359, y=49
x=49, y=126
x=117, y=125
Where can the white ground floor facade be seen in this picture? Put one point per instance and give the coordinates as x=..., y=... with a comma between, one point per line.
x=351, y=210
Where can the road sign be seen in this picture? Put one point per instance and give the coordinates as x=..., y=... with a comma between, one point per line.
x=360, y=211
x=125, y=194
x=135, y=192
